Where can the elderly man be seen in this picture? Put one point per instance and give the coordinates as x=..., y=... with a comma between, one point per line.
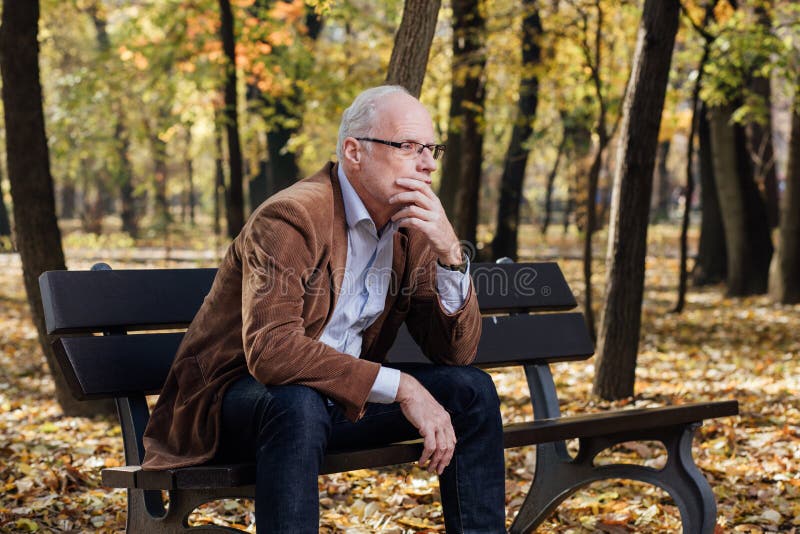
x=283, y=361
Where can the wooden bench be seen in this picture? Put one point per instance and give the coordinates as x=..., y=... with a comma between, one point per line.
x=525, y=324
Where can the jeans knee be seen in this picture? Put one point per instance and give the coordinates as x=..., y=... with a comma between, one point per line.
x=297, y=414
x=477, y=390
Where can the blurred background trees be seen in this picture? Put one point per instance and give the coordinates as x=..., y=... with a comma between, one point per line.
x=168, y=122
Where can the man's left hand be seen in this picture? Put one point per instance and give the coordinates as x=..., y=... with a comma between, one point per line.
x=423, y=210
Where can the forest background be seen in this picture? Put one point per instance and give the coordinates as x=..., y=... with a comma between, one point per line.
x=144, y=132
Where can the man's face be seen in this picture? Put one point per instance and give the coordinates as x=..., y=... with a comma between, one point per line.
x=400, y=118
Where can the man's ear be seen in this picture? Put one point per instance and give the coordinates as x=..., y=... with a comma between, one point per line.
x=351, y=150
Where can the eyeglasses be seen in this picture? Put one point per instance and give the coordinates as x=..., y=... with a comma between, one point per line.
x=410, y=149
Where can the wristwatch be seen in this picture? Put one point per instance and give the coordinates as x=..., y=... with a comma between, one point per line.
x=460, y=267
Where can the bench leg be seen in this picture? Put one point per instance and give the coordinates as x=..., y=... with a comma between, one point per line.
x=147, y=514
x=556, y=479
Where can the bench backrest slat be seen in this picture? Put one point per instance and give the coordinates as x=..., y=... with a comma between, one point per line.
x=144, y=299
x=118, y=366
x=98, y=301
x=515, y=340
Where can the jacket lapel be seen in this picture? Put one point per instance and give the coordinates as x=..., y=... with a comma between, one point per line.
x=339, y=241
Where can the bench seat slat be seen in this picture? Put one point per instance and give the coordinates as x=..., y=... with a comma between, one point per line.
x=515, y=435
x=148, y=299
x=119, y=366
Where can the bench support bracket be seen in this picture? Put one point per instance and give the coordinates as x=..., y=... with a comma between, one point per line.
x=175, y=519
x=556, y=479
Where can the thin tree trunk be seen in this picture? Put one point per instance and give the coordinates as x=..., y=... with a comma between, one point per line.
x=190, y=200
x=461, y=174
x=516, y=160
x=762, y=153
x=688, y=192
x=760, y=134
x=412, y=45
x=594, y=171
x=283, y=167
x=551, y=179
x=5, y=224
x=633, y=180
x=591, y=225
x=38, y=236
x=711, y=264
x=785, y=282
x=128, y=212
x=286, y=113
x=235, y=197
x=93, y=209
x=162, y=214
x=661, y=187
x=744, y=216
x=568, y=209
x=219, y=177
x=67, y=197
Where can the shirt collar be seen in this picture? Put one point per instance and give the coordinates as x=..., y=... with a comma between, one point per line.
x=354, y=209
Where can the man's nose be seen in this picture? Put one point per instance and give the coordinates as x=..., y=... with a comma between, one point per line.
x=425, y=161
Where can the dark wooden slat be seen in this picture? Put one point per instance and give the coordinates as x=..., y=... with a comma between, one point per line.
x=521, y=287
x=613, y=422
x=96, y=301
x=516, y=340
x=116, y=366
x=142, y=299
x=515, y=435
x=120, y=477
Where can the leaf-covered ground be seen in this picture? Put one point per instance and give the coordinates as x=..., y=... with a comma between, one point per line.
x=719, y=348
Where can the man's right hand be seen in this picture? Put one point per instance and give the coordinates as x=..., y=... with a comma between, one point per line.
x=432, y=421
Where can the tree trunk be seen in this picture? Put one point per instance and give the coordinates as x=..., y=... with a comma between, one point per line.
x=688, y=192
x=286, y=114
x=551, y=179
x=190, y=200
x=5, y=224
x=744, y=216
x=785, y=282
x=283, y=167
x=91, y=215
x=711, y=264
x=760, y=134
x=128, y=209
x=763, y=155
x=633, y=180
x=461, y=175
x=38, y=236
x=590, y=226
x=412, y=45
x=661, y=188
x=516, y=160
x=235, y=197
x=162, y=215
x=219, y=177
x=67, y=197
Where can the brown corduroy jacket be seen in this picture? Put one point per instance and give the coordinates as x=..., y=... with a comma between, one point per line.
x=270, y=301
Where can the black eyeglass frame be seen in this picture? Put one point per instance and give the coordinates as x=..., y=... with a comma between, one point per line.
x=437, y=151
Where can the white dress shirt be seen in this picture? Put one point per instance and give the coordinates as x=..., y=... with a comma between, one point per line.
x=366, y=283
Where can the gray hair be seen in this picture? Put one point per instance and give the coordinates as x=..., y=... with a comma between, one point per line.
x=359, y=118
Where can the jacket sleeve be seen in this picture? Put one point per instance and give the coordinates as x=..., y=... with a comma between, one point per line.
x=445, y=338
x=278, y=263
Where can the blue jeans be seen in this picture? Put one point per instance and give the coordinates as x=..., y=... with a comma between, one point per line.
x=288, y=429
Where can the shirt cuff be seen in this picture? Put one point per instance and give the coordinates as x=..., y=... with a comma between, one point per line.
x=384, y=389
x=453, y=287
